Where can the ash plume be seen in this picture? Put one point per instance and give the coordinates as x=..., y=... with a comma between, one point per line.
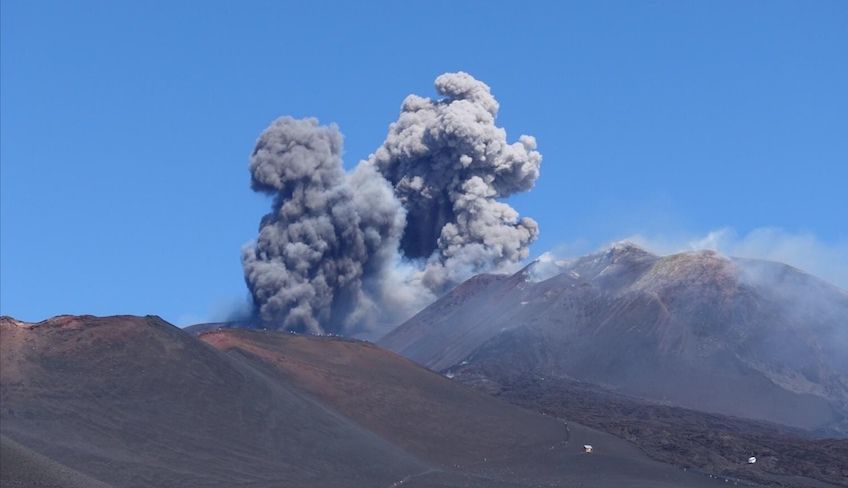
x=325, y=232
x=345, y=252
x=449, y=163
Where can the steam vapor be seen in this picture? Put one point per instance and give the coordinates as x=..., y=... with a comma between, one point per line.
x=346, y=252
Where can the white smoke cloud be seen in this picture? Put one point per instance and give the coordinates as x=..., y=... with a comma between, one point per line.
x=345, y=252
x=546, y=266
x=802, y=250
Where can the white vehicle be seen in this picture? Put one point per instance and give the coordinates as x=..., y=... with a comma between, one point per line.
x=587, y=449
x=752, y=460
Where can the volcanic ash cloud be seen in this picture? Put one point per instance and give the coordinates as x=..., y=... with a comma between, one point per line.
x=344, y=252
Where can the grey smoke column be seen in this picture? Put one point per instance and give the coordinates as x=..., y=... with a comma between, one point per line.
x=448, y=163
x=340, y=252
x=325, y=232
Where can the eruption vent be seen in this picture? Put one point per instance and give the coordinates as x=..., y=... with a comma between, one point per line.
x=345, y=252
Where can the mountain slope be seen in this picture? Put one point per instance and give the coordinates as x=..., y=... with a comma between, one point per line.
x=741, y=337
x=444, y=423
x=136, y=402
x=23, y=468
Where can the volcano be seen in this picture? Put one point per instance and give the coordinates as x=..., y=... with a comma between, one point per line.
x=747, y=338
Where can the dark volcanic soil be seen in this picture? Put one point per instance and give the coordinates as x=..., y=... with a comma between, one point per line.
x=136, y=402
x=690, y=439
x=20, y=467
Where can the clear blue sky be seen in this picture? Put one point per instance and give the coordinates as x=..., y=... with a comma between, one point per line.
x=126, y=126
